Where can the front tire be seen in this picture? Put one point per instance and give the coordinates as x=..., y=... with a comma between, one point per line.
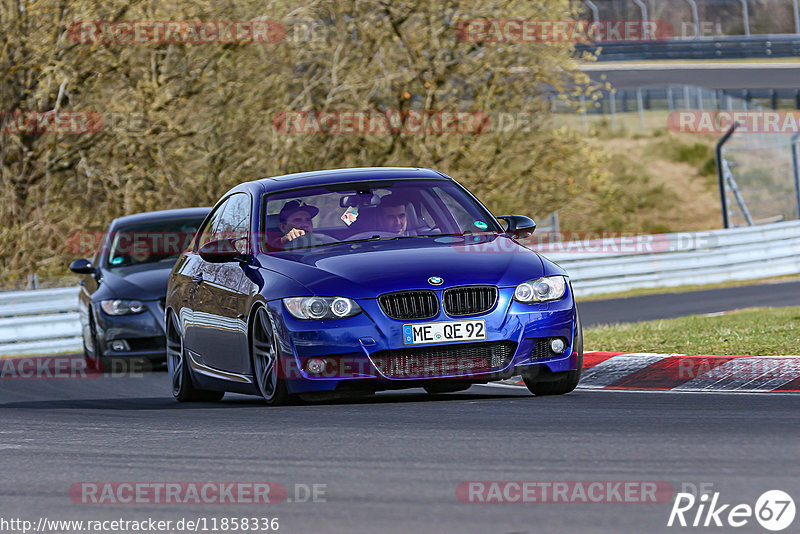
x=266, y=360
x=92, y=353
x=569, y=381
x=183, y=388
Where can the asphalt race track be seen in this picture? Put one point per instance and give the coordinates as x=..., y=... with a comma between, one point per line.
x=670, y=305
x=390, y=464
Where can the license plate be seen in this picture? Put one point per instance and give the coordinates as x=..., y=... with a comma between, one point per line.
x=418, y=334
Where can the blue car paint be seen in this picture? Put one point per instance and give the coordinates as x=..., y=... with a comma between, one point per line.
x=362, y=271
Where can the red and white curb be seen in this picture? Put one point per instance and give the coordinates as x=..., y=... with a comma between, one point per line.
x=682, y=372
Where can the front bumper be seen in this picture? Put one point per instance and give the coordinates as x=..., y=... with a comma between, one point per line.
x=356, y=348
x=140, y=336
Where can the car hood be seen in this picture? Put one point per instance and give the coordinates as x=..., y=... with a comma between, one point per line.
x=367, y=269
x=142, y=284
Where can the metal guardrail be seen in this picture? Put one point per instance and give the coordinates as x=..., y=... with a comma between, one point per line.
x=682, y=258
x=731, y=47
x=46, y=321
x=43, y=321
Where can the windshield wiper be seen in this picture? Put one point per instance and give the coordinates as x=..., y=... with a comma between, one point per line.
x=377, y=238
x=459, y=234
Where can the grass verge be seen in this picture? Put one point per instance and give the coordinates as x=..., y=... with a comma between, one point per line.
x=752, y=331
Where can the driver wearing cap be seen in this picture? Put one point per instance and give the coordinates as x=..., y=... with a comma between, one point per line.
x=296, y=220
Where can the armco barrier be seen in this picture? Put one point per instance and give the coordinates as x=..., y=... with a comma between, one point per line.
x=43, y=321
x=719, y=47
x=46, y=321
x=683, y=258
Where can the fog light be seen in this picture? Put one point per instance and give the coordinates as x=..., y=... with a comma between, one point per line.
x=315, y=366
x=119, y=345
x=557, y=345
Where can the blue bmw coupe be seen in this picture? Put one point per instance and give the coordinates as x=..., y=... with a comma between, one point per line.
x=328, y=283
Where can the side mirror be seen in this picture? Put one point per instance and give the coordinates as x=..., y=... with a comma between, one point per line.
x=221, y=251
x=82, y=266
x=519, y=226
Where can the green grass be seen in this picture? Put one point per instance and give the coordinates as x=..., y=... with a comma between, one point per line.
x=698, y=155
x=753, y=331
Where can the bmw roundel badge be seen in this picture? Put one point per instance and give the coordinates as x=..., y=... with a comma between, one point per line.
x=435, y=280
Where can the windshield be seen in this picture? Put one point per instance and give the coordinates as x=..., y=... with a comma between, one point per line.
x=152, y=242
x=376, y=210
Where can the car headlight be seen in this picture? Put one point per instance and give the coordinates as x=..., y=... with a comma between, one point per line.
x=541, y=289
x=315, y=308
x=122, y=307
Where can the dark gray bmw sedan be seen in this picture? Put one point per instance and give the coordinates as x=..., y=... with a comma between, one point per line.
x=121, y=301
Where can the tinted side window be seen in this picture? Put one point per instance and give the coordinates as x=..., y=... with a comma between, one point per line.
x=235, y=220
x=208, y=230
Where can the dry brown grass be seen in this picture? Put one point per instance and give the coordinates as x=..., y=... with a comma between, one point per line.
x=691, y=199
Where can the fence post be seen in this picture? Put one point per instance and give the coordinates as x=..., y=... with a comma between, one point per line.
x=640, y=106
x=796, y=172
x=554, y=222
x=595, y=11
x=796, y=17
x=745, y=17
x=643, y=7
x=696, y=18
x=33, y=281
x=720, y=175
x=584, y=122
x=613, y=103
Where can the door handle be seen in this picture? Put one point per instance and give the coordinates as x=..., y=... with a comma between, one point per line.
x=197, y=279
